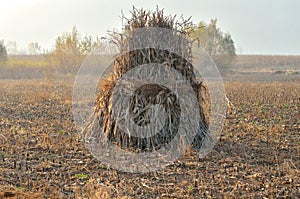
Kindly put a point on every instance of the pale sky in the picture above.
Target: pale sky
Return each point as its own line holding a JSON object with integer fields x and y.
{"x": 257, "y": 26}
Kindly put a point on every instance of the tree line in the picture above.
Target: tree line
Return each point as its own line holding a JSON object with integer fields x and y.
{"x": 70, "y": 48}
{"x": 218, "y": 45}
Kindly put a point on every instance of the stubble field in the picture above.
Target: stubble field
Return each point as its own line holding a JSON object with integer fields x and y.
{"x": 257, "y": 155}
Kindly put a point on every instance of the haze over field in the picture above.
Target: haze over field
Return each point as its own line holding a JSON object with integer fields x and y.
{"x": 257, "y": 27}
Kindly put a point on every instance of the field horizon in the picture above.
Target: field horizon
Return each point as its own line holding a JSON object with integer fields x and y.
{"x": 245, "y": 67}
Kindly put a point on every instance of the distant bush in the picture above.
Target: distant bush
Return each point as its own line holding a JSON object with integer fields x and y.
{"x": 70, "y": 50}
{"x": 218, "y": 45}
{"x": 3, "y": 52}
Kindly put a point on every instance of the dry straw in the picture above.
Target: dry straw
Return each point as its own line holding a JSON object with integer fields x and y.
{"x": 150, "y": 94}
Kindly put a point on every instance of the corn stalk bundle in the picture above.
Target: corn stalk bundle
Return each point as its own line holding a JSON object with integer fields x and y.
{"x": 149, "y": 94}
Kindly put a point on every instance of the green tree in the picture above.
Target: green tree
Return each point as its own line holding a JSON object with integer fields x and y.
{"x": 3, "y": 52}
{"x": 218, "y": 45}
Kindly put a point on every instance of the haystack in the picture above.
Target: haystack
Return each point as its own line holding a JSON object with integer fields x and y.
{"x": 149, "y": 94}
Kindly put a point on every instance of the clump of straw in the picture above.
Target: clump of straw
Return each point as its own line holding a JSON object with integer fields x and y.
{"x": 149, "y": 94}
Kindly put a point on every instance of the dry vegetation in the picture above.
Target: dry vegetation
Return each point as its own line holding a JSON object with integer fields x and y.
{"x": 150, "y": 94}
{"x": 257, "y": 155}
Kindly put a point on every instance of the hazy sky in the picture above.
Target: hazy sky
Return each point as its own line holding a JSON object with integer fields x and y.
{"x": 257, "y": 26}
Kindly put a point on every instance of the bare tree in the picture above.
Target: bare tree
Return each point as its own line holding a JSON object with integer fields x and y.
{"x": 34, "y": 48}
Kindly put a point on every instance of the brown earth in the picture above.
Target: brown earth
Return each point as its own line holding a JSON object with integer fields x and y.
{"x": 257, "y": 155}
